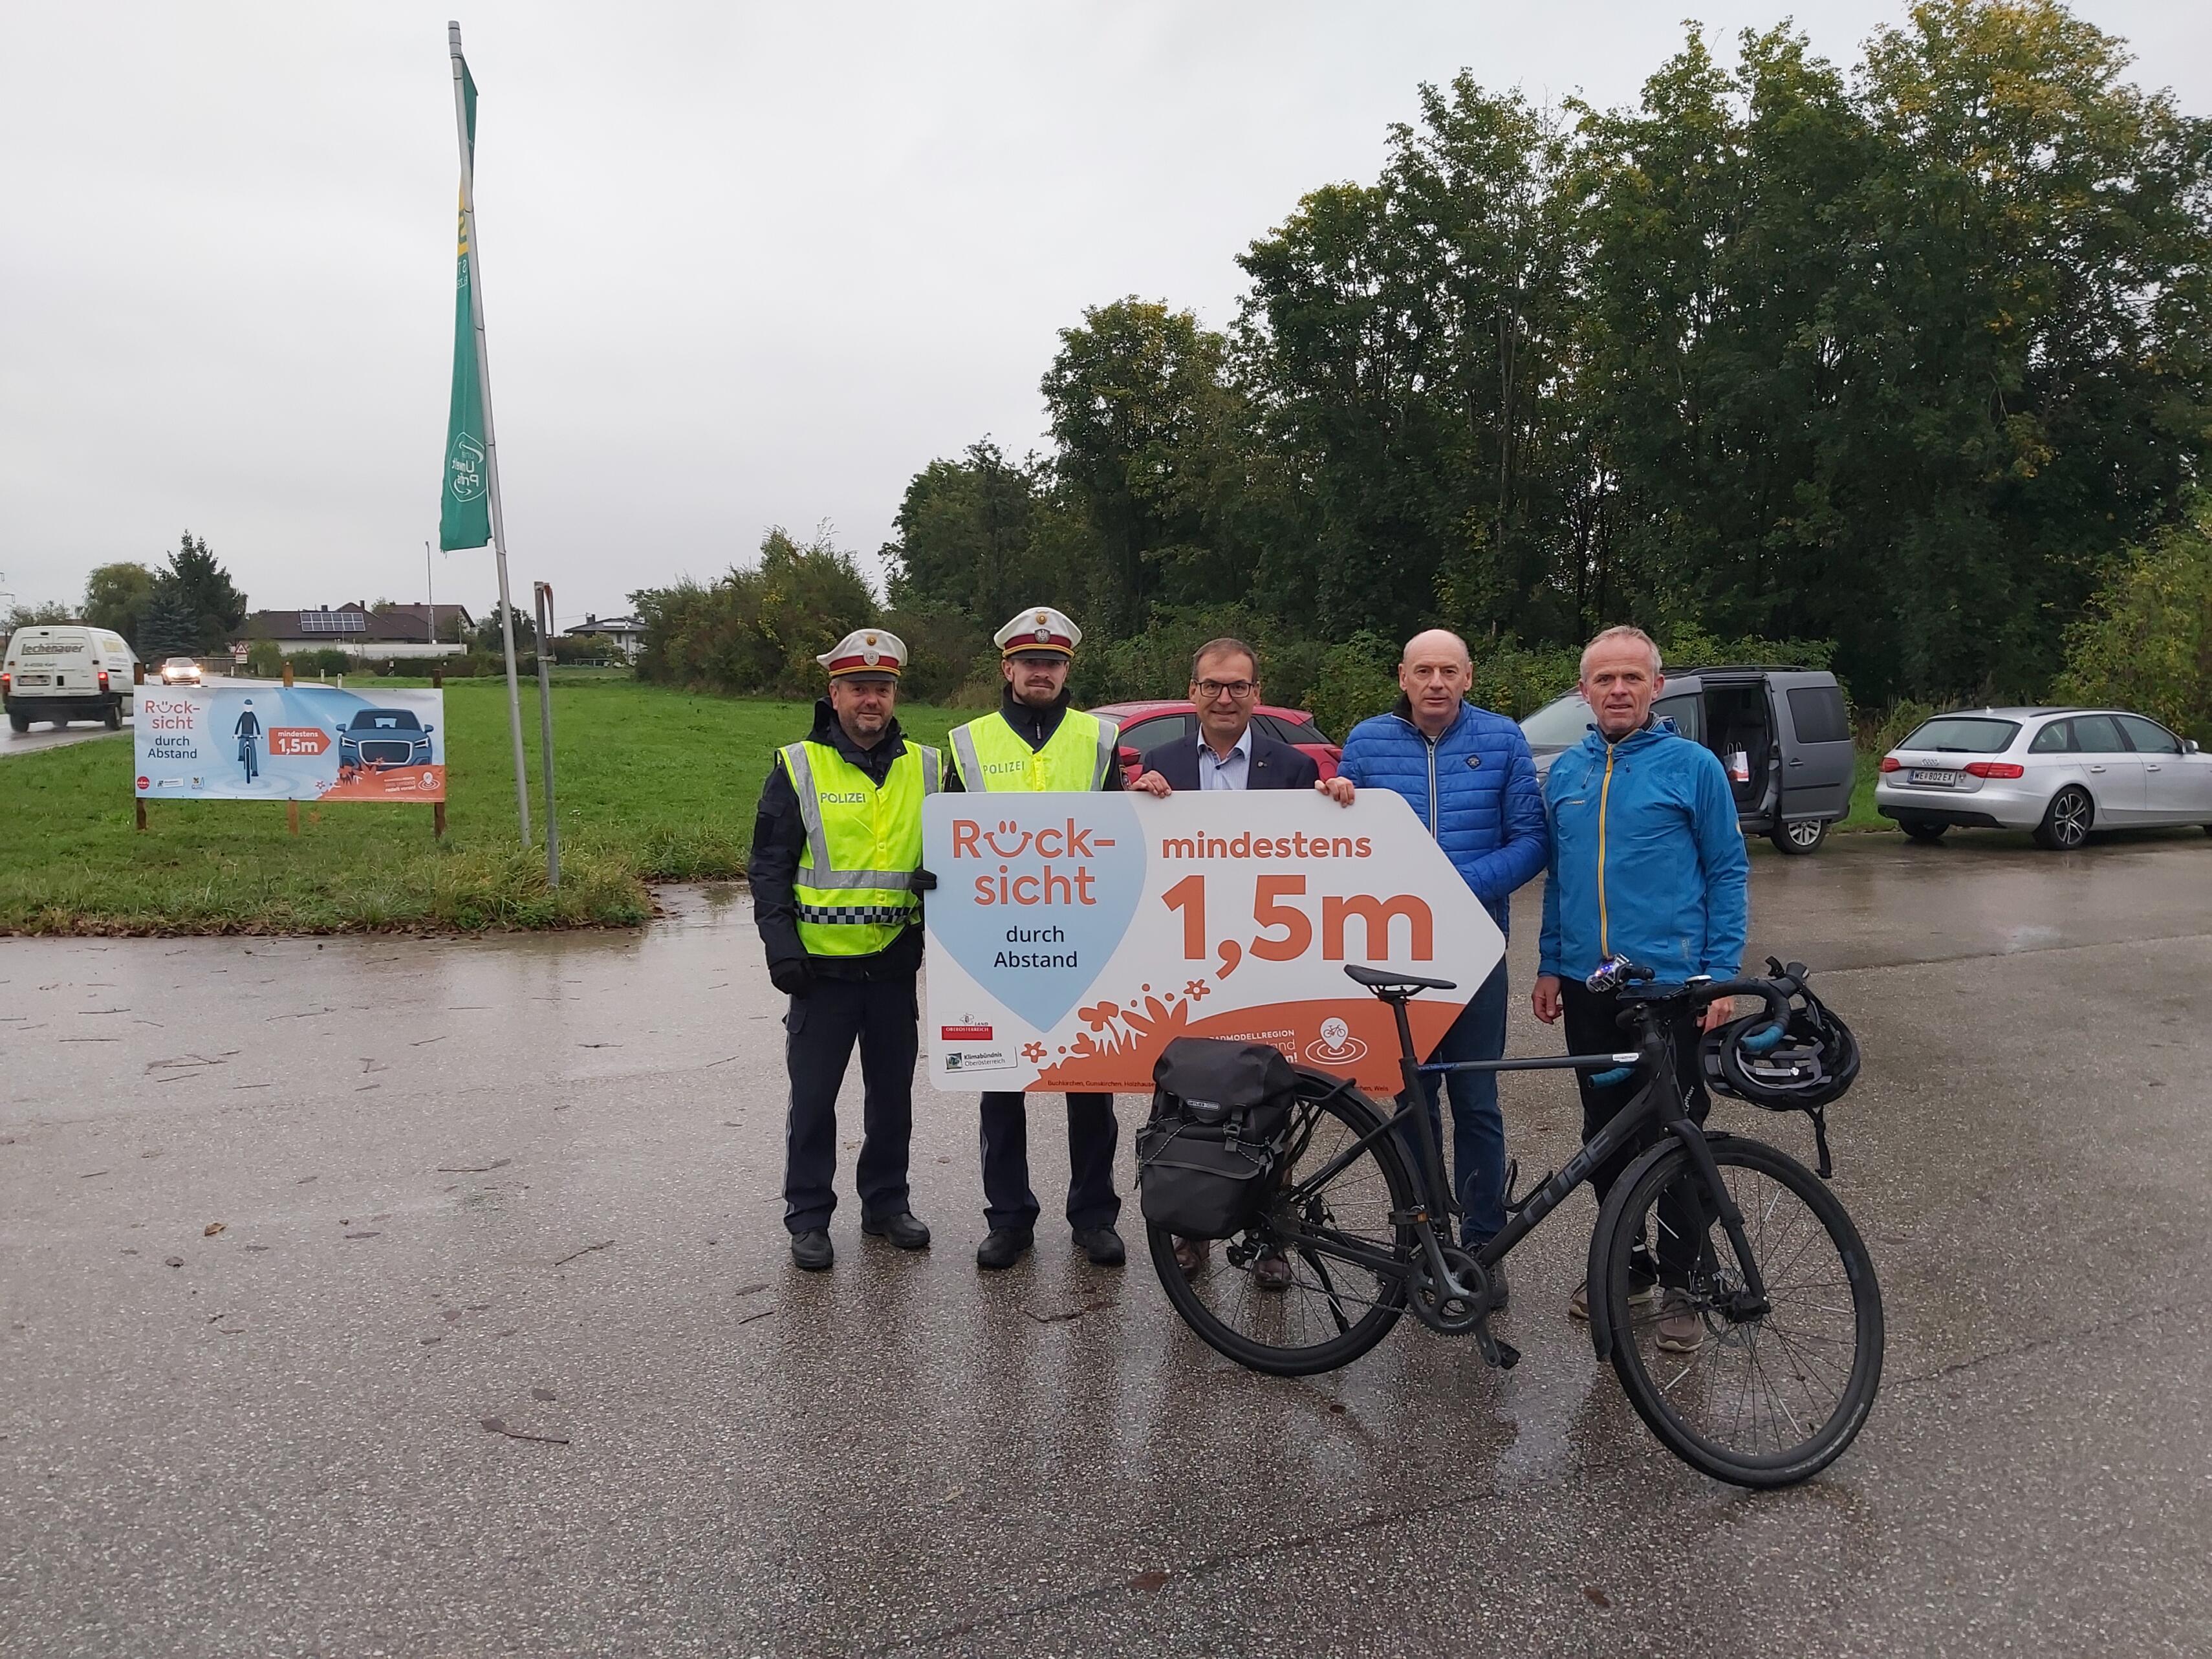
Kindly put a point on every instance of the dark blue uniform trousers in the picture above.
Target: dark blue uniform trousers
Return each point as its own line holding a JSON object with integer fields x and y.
{"x": 1092, "y": 1135}
{"x": 822, "y": 1028}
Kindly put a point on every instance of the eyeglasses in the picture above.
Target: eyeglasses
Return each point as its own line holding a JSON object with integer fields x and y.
{"x": 1240, "y": 689}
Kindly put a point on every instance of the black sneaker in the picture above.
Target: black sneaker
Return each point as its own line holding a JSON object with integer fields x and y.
{"x": 1004, "y": 1247}
{"x": 1103, "y": 1245}
{"x": 811, "y": 1249}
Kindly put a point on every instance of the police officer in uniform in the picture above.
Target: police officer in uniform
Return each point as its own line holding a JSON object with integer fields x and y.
{"x": 836, "y": 847}
{"x": 1036, "y": 742}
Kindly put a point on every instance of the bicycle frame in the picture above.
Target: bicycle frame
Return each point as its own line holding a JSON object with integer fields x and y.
{"x": 1660, "y": 1098}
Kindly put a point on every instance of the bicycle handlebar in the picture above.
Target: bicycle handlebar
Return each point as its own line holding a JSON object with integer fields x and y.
{"x": 1777, "y": 1000}
{"x": 1616, "y": 973}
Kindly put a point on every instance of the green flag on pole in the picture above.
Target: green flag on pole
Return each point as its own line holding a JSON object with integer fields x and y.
{"x": 464, "y": 513}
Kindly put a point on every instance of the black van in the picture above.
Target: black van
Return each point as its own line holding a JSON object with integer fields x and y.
{"x": 1781, "y": 732}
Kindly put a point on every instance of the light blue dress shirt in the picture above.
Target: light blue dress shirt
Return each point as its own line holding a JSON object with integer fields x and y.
{"x": 1216, "y": 773}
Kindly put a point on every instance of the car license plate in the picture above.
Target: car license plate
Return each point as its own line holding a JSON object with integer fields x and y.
{"x": 1937, "y": 776}
{"x": 34, "y": 679}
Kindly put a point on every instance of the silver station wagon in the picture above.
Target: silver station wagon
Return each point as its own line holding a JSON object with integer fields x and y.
{"x": 2059, "y": 772}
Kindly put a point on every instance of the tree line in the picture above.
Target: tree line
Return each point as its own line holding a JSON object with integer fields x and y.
{"x": 1903, "y": 366}
{"x": 189, "y": 606}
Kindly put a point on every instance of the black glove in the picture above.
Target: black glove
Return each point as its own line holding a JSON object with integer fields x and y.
{"x": 791, "y": 977}
{"x": 921, "y": 881}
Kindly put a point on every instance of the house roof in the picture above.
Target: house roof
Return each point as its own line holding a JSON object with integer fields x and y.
{"x": 614, "y": 626}
{"x": 446, "y": 614}
{"x": 353, "y": 623}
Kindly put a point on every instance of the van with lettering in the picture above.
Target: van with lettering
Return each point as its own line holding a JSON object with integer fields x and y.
{"x": 63, "y": 673}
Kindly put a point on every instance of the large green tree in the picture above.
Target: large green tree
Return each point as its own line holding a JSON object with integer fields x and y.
{"x": 196, "y": 586}
{"x": 1720, "y": 334}
{"x": 2036, "y": 292}
{"x": 1148, "y": 431}
{"x": 756, "y": 630}
{"x": 968, "y": 537}
{"x": 32, "y": 615}
{"x": 116, "y": 596}
{"x": 2147, "y": 640}
{"x": 167, "y": 626}
{"x": 1900, "y": 357}
{"x": 1408, "y": 343}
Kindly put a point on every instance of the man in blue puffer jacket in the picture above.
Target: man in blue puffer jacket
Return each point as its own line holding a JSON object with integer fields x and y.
{"x": 1467, "y": 775}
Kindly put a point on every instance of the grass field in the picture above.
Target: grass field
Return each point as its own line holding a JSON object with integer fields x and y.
{"x": 1863, "y": 815}
{"x": 654, "y": 785}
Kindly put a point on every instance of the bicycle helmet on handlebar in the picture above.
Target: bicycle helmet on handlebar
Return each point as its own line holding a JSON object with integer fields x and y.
{"x": 1811, "y": 1060}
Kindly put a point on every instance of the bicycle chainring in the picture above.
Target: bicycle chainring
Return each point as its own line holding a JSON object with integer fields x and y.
{"x": 1446, "y": 1314}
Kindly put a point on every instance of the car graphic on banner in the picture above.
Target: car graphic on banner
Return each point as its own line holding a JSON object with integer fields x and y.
{"x": 269, "y": 742}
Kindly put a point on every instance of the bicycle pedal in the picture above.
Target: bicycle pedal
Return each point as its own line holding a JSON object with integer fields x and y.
{"x": 1496, "y": 1351}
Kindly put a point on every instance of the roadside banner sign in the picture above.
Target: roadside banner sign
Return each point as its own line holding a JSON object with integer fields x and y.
{"x": 270, "y": 742}
{"x": 1072, "y": 936}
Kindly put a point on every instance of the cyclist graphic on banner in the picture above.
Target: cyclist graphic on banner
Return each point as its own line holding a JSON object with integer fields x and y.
{"x": 248, "y": 732}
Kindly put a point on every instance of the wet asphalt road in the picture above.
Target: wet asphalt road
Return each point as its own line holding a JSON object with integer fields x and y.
{"x": 44, "y": 736}
{"x": 499, "y": 1351}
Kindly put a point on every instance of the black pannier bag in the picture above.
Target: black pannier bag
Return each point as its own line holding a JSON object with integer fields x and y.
{"x": 1221, "y": 1112}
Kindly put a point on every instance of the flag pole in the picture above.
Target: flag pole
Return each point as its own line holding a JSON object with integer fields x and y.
{"x": 491, "y": 447}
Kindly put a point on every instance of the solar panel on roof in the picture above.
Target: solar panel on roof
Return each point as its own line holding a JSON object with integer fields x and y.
{"x": 333, "y": 621}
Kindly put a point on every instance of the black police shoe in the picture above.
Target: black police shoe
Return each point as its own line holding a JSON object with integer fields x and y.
{"x": 1103, "y": 1246}
{"x": 1004, "y": 1247}
{"x": 811, "y": 1249}
{"x": 901, "y": 1231}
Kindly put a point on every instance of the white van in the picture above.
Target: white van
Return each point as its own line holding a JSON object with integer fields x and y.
{"x": 63, "y": 674}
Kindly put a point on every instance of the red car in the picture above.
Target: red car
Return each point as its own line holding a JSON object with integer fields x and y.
{"x": 1148, "y": 724}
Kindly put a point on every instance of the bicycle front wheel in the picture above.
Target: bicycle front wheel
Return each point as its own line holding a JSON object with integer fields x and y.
{"x": 1764, "y": 1401}
{"x": 1282, "y": 1297}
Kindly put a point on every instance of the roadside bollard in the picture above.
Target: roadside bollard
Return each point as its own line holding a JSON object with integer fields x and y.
{"x": 543, "y": 592}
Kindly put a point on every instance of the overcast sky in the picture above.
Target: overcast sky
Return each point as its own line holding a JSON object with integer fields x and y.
{"x": 743, "y": 264}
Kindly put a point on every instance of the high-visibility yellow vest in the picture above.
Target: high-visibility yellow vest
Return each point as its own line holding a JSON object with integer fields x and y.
{"x": 855, "y": 886}
{"x": 993, "y": 755}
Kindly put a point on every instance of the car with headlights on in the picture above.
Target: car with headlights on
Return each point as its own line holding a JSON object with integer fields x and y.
{"x": 2057, "y": 772}
{"x": 180, "y": 671}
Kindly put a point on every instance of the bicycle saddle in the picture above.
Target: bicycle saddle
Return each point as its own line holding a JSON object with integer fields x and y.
{"x": 1383, "y": 981}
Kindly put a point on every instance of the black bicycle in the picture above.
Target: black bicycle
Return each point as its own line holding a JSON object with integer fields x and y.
{"x": 1726, "y": 1284}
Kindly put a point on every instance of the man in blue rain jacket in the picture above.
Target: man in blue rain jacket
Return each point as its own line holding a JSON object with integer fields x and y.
{"x": 1468, "y": 776}
{"x": 1646, "y": 863}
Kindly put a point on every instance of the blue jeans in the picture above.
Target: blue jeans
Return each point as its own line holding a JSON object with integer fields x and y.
{"x": 1478, "y": 1126}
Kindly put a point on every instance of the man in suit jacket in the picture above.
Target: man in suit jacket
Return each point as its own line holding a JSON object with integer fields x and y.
{"x": 1228, "y": 753}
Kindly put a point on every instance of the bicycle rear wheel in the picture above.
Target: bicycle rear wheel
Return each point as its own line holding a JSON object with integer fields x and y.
{"x": 1763, "y": 1402}
{"x": 1333, "y": 1310}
